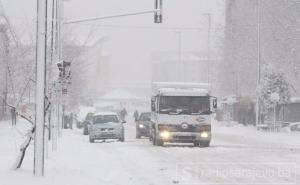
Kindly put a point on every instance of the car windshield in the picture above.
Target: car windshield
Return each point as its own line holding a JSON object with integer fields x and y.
{"x": 145, "y": 116}
{"x": 184, "y": 105}
{"x": 100, "y": 119}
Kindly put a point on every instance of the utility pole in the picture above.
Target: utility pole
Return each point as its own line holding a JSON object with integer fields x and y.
{"x": 60, "y": 58}
{"x": 258, "y": 64}
{"x": 53, "y": 124}
{"x": 40, "y": 88}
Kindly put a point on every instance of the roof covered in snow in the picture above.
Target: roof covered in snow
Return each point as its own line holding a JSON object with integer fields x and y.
{"x": 181, "y": 89}
{"x": 183, "y": 92}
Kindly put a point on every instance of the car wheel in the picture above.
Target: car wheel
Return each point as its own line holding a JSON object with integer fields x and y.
{"x": 196, "y": 144}
{"x": 150, "y": 138}
{"x": 85, "y": 131}
{"x": 92, "y": 140}
{"x": 204, "y": 143}
{"x": 122, "y": 139}
{"x": 153, "y": 138}
{"x": 138, "y": 136}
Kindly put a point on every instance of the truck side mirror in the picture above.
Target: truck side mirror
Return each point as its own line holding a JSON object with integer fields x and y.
{"x": 153, "y": 104}
{"x": 215, "y": 103}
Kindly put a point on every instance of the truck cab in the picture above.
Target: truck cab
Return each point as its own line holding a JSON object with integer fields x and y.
{"x": 181, "y": 113}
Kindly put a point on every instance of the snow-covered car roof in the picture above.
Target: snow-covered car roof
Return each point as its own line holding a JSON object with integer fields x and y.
{"x": 294, "y": 123}
{"x": 105, "y": 113}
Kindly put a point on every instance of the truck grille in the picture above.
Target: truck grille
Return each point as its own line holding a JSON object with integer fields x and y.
{"x": 179, "y": 128}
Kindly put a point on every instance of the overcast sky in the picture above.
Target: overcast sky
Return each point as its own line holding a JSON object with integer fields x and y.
{"x": 131, "y": 39}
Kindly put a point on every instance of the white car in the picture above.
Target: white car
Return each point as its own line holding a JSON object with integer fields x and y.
{"x": 106, "y": 125}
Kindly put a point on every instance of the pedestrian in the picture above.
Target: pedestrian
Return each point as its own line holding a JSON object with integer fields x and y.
{"x": 136, "y": 115}
{"x": 123, "y": 114}
{"x": 13, "y": 116}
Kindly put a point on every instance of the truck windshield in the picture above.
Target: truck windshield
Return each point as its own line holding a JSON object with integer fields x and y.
{"x": 184, "y": 105}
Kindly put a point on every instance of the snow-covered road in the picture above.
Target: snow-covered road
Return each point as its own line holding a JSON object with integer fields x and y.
{"x": 236, "y": 156}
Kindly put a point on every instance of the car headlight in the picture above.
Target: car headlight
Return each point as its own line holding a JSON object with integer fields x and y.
{"x": 141, "y": 126}
{"x": 165, "y": 134}
{"x": 204, "y": 134}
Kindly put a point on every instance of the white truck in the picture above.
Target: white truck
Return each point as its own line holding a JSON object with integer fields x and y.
{"x": 181, "y": 113}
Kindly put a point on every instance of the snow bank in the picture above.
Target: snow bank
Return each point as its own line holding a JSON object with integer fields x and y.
{"x": 250, "y": 135}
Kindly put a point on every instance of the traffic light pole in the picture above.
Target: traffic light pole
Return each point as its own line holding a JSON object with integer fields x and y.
{"x": 60, "y": 58}
{"x": 157, "y": 19}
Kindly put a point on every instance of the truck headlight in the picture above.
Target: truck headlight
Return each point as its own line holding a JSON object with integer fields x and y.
{"x": 204, "y": 134}
{"x": 141, "y": 126}
{"x": 164, "y": 134}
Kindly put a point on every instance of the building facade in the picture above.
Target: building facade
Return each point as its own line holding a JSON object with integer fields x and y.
{"x": 265, "y": 29}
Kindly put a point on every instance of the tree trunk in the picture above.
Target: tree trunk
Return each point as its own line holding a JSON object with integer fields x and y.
{"x": 23, "y": 148}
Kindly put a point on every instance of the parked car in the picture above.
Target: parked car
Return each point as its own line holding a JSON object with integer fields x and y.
{"x": 143, "y": 125}
{"x": 68, "y": 121}
{"x": 295, "y": 127}
{"x": 291, "y": 127}
{"x": 106, "y": 125}
{"x": 87, "y": 122}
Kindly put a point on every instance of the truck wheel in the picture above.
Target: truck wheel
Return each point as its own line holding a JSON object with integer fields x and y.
{"x": 196, "y": 144}
{"x": 85, "y": 131}
{"x": 204, "y": 143}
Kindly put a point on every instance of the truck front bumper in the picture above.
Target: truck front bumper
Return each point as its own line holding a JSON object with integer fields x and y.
{"x": 184, "y": 137}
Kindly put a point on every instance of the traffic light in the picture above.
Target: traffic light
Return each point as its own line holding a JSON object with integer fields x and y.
{"x": 158, "y": 14}
{"x": 64, "y": 69}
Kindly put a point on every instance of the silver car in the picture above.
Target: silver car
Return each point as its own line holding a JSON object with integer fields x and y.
{"x": 106, "y": 125}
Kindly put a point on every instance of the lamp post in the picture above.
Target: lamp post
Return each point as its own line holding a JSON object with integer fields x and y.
{"x": 258, "y": 64}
